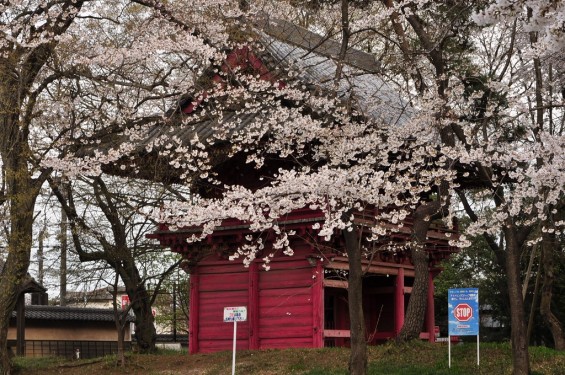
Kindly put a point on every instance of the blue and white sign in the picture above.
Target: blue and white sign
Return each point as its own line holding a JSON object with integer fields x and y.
{"x": 463, "y": 311}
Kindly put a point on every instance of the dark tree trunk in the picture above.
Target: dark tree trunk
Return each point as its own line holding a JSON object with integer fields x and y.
{"x": 21, "y": 192}
{"x": 9, "y": 286}
{"x": 19, "y": 249}
{"x": 520, "y": 354}
{"x": 8, "y": 298}
{"x": 145, "y": 333}
{"x": 418, "y": 302}
{"x": 548, "y": 267}
{"x": 358, "y": 354}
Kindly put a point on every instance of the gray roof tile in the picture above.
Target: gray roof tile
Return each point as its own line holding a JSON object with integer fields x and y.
{"x": 35, "y": 312}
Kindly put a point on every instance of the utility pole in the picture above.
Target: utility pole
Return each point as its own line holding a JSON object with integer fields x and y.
{"x": 63, "y": 242}
{"x": 41, "y": 256}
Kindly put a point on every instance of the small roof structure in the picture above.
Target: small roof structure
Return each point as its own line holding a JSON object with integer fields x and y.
{"x": 29, "y": 285}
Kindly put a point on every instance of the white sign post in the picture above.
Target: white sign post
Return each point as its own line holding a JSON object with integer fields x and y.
{"x": 235, "y": 314}
{"x": 463, "y": 311}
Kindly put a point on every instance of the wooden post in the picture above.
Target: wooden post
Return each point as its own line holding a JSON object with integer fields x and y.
{"x": 253, "y": 308}
{"x": 399, "y": 301}
{"x": 20, "y": 329}
{"x": 318, "y": 305}
{"x": 193, "y": 312}
{"x": 430, "y": 311}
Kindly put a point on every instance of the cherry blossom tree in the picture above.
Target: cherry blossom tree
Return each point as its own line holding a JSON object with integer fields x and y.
{"x": 29, "y": 36}
{"x": 480, "y": 126}
{"x": 465, "y": 109}
{"x": 504, "y": 119}
{"x": 72, "y": 68}
{"x": 528, "y": 191}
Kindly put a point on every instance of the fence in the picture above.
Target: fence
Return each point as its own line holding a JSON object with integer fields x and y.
{"x": 68, "y": 349}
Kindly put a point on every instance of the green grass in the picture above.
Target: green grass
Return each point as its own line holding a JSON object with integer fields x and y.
{"x": 416, "y": 358}
{"x": 36, "y": 363}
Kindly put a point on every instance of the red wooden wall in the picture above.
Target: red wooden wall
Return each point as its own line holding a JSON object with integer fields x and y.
{"x": 284, "y": 304}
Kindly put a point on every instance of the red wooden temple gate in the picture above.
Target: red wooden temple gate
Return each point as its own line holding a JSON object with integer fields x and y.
{"x": 302, "y": 300}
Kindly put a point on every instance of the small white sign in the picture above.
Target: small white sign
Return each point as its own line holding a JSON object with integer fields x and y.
{"x": 235, "y": 314}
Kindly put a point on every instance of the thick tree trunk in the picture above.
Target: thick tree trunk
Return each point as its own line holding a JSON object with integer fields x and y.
{"x": 8, "y": 298}
{"x": 21, "y": 193}
{"x": 520, "y": 354}
{"x": 548, "y": 266}
{"x": 418, "y": 302}
{"x": 19, "y": 247}
{"x": 358, "y": 354}
{"x": 140, "y": 300}
{"x": 145, "y": 333}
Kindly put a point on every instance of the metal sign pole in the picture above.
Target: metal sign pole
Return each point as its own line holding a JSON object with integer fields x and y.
{"x": 449, "y": 350}
{"x": 478, "y": 356}
{"x": 234, "y": 345}
{"x": 235, "y": 314}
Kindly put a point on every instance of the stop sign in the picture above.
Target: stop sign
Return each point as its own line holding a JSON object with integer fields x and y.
{"x": 463, "y": 312}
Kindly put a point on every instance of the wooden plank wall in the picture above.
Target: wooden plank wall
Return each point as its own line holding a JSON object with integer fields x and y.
{"x": 220, "y": 286}
{"x": 281, "y": 304}
{"x": 286, "y": 303}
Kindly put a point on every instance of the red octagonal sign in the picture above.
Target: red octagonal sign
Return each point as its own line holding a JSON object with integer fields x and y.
{"x": 463, "y": 312}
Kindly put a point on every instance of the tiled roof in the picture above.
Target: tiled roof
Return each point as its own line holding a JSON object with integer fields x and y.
{"x": 375, "y": 98}
{"x": 290, "y": 47}
{"x": 36, "y": 312}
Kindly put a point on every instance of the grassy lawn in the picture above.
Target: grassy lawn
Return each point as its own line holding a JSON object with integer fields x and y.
{"x": 417, "y": 358}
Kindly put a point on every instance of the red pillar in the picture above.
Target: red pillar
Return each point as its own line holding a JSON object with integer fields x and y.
{"x": 253, "y": 308}
{"x": 430, "y": 312}
{"x": 193, "y": 312}
{"x": 318, "y": 305}
{"x": 399, "y": 301}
